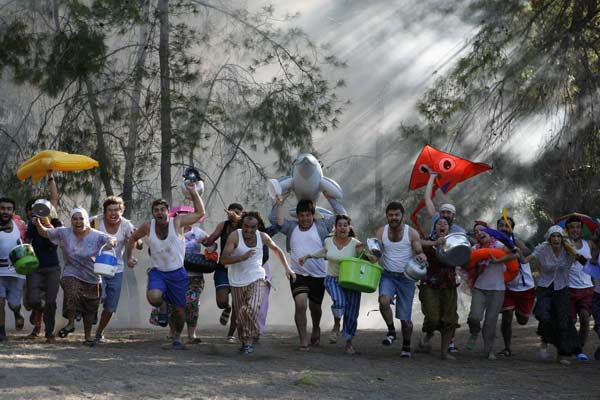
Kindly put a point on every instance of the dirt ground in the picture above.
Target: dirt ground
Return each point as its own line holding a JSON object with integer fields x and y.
{"x": 136, "y": 364}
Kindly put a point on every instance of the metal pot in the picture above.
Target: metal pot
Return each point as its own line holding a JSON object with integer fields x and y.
{"x": 191, "y": 174}
{"x": 456, "y": 251}
{"x": 415, "y": 269}
{"x": 374, "y": 247}
{"x": 41, "y": 208}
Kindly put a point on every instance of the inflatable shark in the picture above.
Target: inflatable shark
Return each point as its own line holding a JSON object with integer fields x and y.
{"x": 307, "y": 182}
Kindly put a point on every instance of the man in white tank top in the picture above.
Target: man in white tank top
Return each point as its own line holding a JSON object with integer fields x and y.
{"x": 11, "y": 283}
{"x": 242, "y": 256}
{"x": 167, "y": 279}
{"x": 581, "y": 287}
{"x": 400, "y": 243}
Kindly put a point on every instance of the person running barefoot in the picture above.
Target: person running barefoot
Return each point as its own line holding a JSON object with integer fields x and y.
{"x": 243, "y": 256}
{"x": 400, "y": 243}
{"x": 167, "y": 279}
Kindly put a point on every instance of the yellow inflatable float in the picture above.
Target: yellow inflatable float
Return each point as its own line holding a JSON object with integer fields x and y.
{"x": 51, "y": 160}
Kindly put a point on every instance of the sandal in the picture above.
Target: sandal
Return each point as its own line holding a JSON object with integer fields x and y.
{"x": 333, "y": 337}
{"x": 505, "y": 353}
{"x": 389, "y": 339}
{"x": 64, "y": 332}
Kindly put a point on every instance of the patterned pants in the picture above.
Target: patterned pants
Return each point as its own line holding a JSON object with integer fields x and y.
{"x": 247, "y": 301}
{"x": 346, "y": 304}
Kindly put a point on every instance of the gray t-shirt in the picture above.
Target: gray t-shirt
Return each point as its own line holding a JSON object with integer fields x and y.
{"x": 79, "y": 253}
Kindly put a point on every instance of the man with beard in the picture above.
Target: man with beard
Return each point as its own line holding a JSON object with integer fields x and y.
{"x": 167, "y": 279}
{"x": 112, "y": 222}
{"x": 11, "y": 283}
{"x": 581, "y": 288}
{"x": 43, "y": 283}
{"x": 519, "y": 296}
{"x": 303, "y": 238}
{"x": 243, "y": 256}
{"x": 400, "y": 243}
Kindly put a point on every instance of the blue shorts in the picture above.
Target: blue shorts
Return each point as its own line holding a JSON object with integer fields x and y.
{"x": 221, "y": 278}
{"x": 398, "y": 285}
{"x": 111, "y": 292}
{"x": 172, "y": 284}
{"x": 11, "y": 289}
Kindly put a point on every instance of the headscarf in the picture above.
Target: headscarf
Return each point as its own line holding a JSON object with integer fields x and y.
{"x": 552, "y": 230}
{"x": 84, "y": 214}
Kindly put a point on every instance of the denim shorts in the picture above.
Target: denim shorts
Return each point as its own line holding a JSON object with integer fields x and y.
{"x": 111, "y": 292}
{"x": 396, "y": 284}
{"x": 11, "y": 289}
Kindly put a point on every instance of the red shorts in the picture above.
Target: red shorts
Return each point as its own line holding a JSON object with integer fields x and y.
{"x": 521, "y": 302}
{"x": 580, "y": 299}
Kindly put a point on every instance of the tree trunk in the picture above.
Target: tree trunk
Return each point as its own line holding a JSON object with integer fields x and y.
{"x": 165, "y": 101}
{"x": 135, "y": 112}
{"x": 101, "y": 151}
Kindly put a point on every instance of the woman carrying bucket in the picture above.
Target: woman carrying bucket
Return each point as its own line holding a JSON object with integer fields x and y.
{"x": 80, "y": 244}
{"x": 346, "y": 302}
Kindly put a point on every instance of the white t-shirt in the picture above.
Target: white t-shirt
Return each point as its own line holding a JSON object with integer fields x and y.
{"x": 166, "y": 255}
{"x": 123, "y": 234}
{"x": 334, "y": 255}
{"x": 303, "y": 243}
{"x": 577, "y": 278}
{"x": 248, "y": 271}
{"x": 492, "y": 277}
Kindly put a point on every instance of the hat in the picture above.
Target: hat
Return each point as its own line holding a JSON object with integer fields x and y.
{"x": 552, "y": 230}
{"x": 448, "y": 207}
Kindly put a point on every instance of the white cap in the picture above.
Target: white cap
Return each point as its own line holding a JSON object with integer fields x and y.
{"x": 448, "y": 207}
{"x": 552, "y": 230}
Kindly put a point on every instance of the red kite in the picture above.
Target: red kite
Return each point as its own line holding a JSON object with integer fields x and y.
{"x": 451, "y": 171}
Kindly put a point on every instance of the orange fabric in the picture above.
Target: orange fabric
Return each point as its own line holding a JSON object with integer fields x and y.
{"x": 512, "y": 266}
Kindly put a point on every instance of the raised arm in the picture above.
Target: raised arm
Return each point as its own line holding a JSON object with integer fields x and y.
{"x": 279, "y": 253}
{"x": 138, "y": 234}
{"x": 53, "y": 190}
{"x": 429, "y": 192}
{"x": 189, "y": 219}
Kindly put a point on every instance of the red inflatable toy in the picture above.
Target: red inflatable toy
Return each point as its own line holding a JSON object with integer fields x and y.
{"x": 512, "y": 266}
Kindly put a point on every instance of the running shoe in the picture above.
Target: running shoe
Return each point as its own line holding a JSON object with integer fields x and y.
{"x": 405, "y": 353}
{"x": 452, "y": 347}
{"x": 231, "y": 339}
{"x": 582, "y": 357}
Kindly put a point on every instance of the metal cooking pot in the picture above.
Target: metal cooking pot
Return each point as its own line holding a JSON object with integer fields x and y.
{"x": 374, "y": 247}
{"x": 415, "y": 269}
{"x": 456, "y": 251}
{"x": 41, "y": 208}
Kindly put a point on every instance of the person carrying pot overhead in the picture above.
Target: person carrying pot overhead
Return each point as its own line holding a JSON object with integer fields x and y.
{"x": 43, "y": 283}
{"x": 167, "y": 279}
{"x": 81, "y": 286}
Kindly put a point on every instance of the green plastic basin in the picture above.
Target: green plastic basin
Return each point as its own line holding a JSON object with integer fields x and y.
{"x": 361, "y": 275}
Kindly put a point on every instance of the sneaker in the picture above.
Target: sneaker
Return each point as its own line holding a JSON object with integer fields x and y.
{"x": 231, "y": 339}
{"x": 389, "y": 339}
{"x": 471, "y": 342}
{"x": 100, "y": 338}
{"x": 405, "y": 353}
{"x": 225, "y": 316}
{"x": 248, "y": 349}
{"x": 563, "y": 361}
{"x": 452, "y": 348}
{"x": 582, "y": 357}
